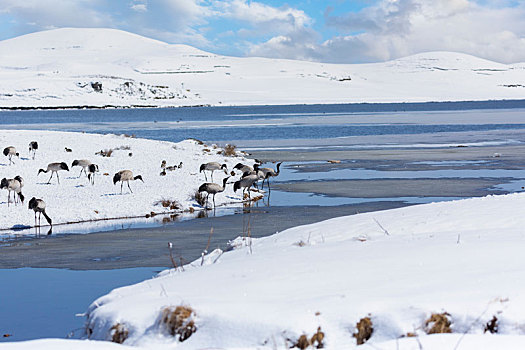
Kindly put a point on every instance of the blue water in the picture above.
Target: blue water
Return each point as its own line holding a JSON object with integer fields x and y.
{"x": 263, "y": 122}
{"x": 44, "y": 303}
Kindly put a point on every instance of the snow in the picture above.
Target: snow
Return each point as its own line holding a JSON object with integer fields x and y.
{"x": 55, "y": 68}
{"x": 396, "y": 266}
{"x": 75, "y": 199}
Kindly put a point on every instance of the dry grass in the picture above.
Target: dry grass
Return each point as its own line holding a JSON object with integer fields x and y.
{"x": 199, "y": 142}
{"x": 316, "y": 341}
{"x": 179, "y": 321}
{"x": 169, "y": 203}
{"x": 119, "y": 333}
{"x": 199, "y": 198}
{"x": 230, "y": 150}
{"x": 438, "y": 323}
{"x": 364, "y": 330}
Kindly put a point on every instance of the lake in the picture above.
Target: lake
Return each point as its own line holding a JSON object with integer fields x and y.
{"x": 385, "y": 156}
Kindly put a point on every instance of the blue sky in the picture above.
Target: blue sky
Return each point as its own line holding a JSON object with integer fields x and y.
{"x": 338, "y": 31}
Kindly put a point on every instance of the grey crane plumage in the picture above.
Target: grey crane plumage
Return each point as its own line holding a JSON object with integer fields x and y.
{"x": 54, "y": 168}
{"x": 212, "y": 166}
{"x": 269, "y": 172}
{"x": 13, "y": 185}
{"x": 10, "y": 152}
{"x": 83, "y": 163}
{"x": 243, "y": 168}
{"x": 245, "y": 183}
{"x": 213, "y": 188}
{"x": 39, "y": 206}
{"x": 125, "y": 175}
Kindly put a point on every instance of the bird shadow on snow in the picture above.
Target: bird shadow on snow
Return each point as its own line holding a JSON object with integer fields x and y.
{"x": 19, "y": 227}
{"x": 113, "y": 194}
{"x": 44, "y": 183}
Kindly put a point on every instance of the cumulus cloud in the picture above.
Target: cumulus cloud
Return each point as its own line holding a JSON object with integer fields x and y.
{"x": 261, "y": 15}
{"x": 386, "y": 29}
{"x": 395, "y": 28}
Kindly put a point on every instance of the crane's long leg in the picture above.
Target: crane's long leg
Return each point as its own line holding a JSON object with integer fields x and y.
{"x": 57, "y": 177}
{"x": 121, "y": 183}
{"x": 129, "y": 187}
{"x": 49, "y": 181}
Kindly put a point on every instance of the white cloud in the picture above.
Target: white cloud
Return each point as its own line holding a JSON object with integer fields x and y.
{"x": 262, "y": 17}
{"x": 396, "y": 28}
{"x": 139, "y": 7}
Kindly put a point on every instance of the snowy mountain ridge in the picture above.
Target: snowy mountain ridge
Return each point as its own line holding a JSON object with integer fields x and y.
{"x": 98, "y": 67}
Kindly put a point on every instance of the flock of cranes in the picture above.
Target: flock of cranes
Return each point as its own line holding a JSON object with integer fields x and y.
{"x": 38, "y": 205}
{"x": 250, "y": 177}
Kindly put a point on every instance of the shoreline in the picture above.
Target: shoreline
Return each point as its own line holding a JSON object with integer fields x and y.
{"x": 412, "y": 106}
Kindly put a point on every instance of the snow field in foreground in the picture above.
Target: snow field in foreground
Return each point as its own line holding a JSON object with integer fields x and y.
{"x": 398, "y": 267}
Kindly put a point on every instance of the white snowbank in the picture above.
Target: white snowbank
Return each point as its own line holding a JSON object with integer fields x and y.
{"x": 397, "y": 267}
{"x": 75, "y": 199}
{"x": 56, "y": 68}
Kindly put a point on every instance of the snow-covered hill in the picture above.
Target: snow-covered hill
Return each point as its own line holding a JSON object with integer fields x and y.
{"x": 101, "y": 67}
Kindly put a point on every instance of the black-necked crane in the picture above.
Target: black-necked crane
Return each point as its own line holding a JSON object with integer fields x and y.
{"x": 256, "y": 171}
{"x": 13, "y": 185}
{"x": 243, "y": 168}
{"x": 269, "y": 172}
{"x": 39, "y": 206}
{"x": 213, "y": 188}
{"x": 125, "y": 175}
{"x": 212, "y": 166}
{"x": 245, "y": 183}
{"x": 54, "y": 168}
{"x": 10, "y": 152}
{"x": 92, "y": 169}
{"x": 33, "y": 146}
{"x": 83, "y": 163}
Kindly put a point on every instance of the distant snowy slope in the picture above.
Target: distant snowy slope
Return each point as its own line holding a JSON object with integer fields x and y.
{"x": 57, "y": 68}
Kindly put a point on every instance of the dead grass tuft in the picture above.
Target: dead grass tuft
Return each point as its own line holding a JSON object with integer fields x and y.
{"x": 230, "y": 150}
{"x": 492, "y": 326}
{"x": 364, "y": 330}
{"x": 198, "y": 142}
{"x": 302, "y": 342}
{"x": 199, "y": 198}
{"x": 169, "y": 203}
{"x": 438, "y": 323}
{"x": 119, "y": 333}
{"x": 316, "y": 341}
{"x": 179, "y": 321}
